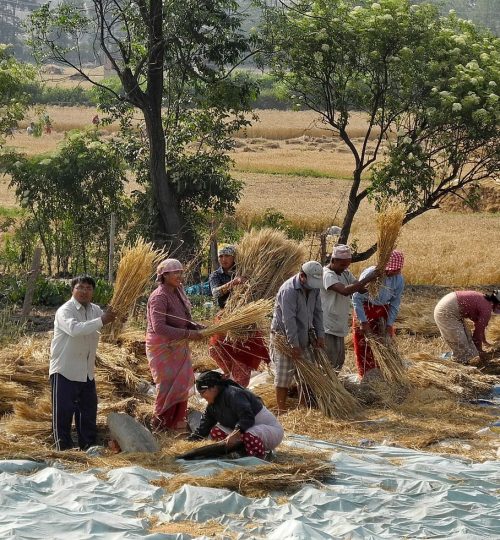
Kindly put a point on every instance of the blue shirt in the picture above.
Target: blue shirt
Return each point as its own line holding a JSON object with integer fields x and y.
{"x": 295, "y": 313}
{"x": 389, "y": 294}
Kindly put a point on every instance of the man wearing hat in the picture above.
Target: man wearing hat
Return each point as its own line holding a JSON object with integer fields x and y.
{"x": 222, "y": 280}
{"x": 299, "y": 318}
{"x": 377, "y": 315}
{"x": 338, "y": 286}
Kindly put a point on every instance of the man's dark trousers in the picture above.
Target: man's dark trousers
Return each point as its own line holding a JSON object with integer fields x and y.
{"x": 78, "y": 399}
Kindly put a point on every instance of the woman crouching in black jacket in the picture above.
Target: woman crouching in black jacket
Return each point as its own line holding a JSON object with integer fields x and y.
{"x": 236, "y": 415}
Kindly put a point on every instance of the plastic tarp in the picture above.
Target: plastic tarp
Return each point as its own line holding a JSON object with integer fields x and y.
{"x": 376, "y": 492}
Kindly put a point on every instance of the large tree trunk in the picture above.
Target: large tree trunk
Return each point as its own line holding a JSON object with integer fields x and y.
{"x": 169, "y": 223}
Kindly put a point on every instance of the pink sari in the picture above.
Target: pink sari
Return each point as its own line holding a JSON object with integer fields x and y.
{"x": 169, "y": 356}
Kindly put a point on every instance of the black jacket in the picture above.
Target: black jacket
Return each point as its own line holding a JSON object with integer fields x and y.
{"x": 234, "y": 407}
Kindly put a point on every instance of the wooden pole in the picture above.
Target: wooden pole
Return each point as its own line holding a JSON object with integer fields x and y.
{"x": 322, "y": 239}
{"x": 214, "y": 259}
{"x": 112, "y": 230}
{"x": 31, "y": 283}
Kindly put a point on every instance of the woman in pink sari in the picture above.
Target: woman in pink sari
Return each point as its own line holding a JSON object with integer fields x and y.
{"x": 169, "y": 329}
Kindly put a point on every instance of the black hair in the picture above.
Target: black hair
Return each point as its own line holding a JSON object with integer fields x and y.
{"x": 82, "y": 279}
{"x": 208, "y": 379}
{"x": 492, "y": 297}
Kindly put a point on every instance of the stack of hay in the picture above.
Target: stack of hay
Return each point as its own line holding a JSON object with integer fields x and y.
{"x": 135, "y": 270}
{"x": 267, "y": 258}
{"x": 463, "y": 381}
{"x": 319, "y": 381}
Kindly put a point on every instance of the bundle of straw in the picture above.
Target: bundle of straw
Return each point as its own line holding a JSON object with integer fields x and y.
{"x": 258, "y": 481}
{"x": 389, "y": 222}
{"x": 386, "y": 354}
{"x": 11, "y": 392}
{"x": 318, "y": 378}
{"x": 241, "y": 322}
{"x": 135, "y": 270}
{"x": 464, "y": 381}
{"x": 267, "y": 258}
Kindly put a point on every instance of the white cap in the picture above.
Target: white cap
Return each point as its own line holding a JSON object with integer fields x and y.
{"x": 314, "y": 272}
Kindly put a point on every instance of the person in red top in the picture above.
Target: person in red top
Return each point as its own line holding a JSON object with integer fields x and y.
{"x": 450, "y": 314}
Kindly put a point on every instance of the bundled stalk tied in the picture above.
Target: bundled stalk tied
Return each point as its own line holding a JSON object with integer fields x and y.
{"x": 135, "y": 271}
{"x": 389, "y": 223}
{"x": 266, "y": 258}
{"x": 318, "y": 378}
{"x": 386, "y": 354}
{"x": 242, "y": 322}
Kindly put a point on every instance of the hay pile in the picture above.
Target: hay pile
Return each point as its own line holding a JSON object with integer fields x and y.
{"x": 267, "y": 258}
{"x": 25, "y": 403}
{"x": 386, "y": 354}
{"x": 417, "y": 318}
{"x": 319, "y": 381}
{"x": 466, "y": 382}
{"x": 289, "y": 475}
{"x": 135, "y": 271}
{"x": 389, "y": 222}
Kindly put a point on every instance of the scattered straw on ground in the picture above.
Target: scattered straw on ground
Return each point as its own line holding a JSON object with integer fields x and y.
{"x": 210, "y": 528}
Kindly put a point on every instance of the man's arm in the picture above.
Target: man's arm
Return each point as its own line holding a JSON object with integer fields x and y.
{"x": 347, "y": 290}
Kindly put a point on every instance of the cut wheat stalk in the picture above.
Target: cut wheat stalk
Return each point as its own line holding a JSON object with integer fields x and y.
{"x": 389, "y": 223}
{"x": 386, "y": 354}
{"x": 267, "y": 258}
{"x": 242, "y": 322}
{"x": 135, "y": 271}
{"x": 261, "y": 480}
{"x": 464, "y": 381}
{"x": 318, "y": 378}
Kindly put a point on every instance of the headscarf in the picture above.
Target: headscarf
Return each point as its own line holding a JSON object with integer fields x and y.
{"x": 396, "y": 261}
{"x": 173, "y": 265}
{"x": 168, "y": 265}
{"x": 227, "y": 250}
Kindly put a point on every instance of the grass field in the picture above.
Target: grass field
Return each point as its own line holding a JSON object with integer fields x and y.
{"x": 288, "y": 163}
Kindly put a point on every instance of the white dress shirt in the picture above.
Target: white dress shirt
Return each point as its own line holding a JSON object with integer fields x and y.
{"x": 74, "y": 345}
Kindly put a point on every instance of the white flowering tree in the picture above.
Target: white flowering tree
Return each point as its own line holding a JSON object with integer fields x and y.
{"x": 427, "y": 84}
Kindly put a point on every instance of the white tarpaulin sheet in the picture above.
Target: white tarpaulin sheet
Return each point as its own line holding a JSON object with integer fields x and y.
{"x": 377, "y": 492}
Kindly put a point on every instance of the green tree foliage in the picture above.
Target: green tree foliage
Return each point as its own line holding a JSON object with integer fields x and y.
{"x": 70, "y": 196}
{"x": 176, "y": 57}
{"x": 427, "y": 84}
{"x": 14, "y": 76}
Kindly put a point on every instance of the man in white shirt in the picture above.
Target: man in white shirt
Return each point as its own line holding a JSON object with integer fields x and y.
{"x": 72, "y": 365}
{"x": 338, "y": 285}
